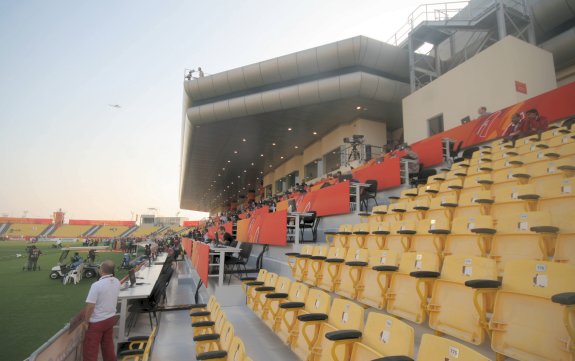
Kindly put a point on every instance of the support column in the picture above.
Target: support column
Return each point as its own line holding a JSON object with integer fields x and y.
{"x": 501, "y": 28}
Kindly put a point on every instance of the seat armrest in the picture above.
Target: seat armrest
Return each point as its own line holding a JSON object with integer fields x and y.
{"x": 247, "y": 279}
{"x": 566, "y": 167}
{"x": 483, "y": 230}
{"x": 565, "y": 298}
{"x": 394, "y": 358}
{"x": 334, "y": 260}
{"x": 485, "y": 181}
{"x": 136, "y": 352}
{"x": 203, "y": 324}
{"x": 277, "y": 295}
{"x": 265, "y": 289}
{"x": 287, "y": 305}
{"x": 292, "y": 254}
{"x": 356, "y": 264}
{"x": 318, "y": 258}
{"x": 364, "y": 214}
{"x": 484, "y": 201}
{"x": 483, "y": 284}
{"x": 343, "y": 335}
{"x": 210, "y": 355}
{"x": 138, "y": 338}
{"x": 439, "y": 231}
{"x": 361, "y": 233}
{"x": 424, "y": 274}
{"x": 344, "y": 233}
{"x": 528, "y": 197}
{"x": 544, "y": 229}
{"x": 255, "y": 283}
{"x": 207, "y": 337}
{"x": 303, "y": 256}
{"x": 198, "y": 305}
{"x": 385, "y": 268}
{"x": 407, "y": 231}
{"x": 312, "y": 317}
{"x": 200, "y": 314}
{"x": 379, "y": 212}
{"x": 421, "y": 208}
{"x": 380, "y": 232}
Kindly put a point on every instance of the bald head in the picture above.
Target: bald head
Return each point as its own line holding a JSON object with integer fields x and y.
{"x": 107, "y": 267}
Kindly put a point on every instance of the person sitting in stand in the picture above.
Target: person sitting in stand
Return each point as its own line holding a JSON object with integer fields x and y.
{"x": 515, "y": 129}
{"x": 535, "y": 124}
{"x": 223, "y": 237}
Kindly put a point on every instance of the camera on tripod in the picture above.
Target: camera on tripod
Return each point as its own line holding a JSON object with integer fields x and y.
{"x": 355, "y": 140}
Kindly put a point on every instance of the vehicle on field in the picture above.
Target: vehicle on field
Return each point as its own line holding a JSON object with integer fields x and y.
{"x": 65, "y": 265}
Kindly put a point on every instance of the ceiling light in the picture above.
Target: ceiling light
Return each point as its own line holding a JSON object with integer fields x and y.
{"x": 244, "y": 139}
{"x": 252, "y": 163}
{"x": 295, "y": 146}
{"x": 261, "y": 155}
{"x": 358, "y": 107}
{"x": 219, "y": 175}
{"x": 245, "y": 171}
{"x": 314, "y": 133}
{"x": 282, "y": 157}
{"x": 235, "y": 152}
{"x": 289, "y": 129}
{"x": 274, "y": 144}
{"x": 270, "y": 165}
{"x": 229, "y": 161}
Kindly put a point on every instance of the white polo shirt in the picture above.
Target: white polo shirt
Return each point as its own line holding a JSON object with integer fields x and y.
{"x": 104, "y": 294}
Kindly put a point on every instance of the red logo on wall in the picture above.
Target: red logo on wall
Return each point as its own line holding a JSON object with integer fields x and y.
{"x": 520, "y": 87}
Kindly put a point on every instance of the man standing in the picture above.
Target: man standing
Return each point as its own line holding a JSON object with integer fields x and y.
{"x": 100, "y": 315}
{"x": 33, "y": 256}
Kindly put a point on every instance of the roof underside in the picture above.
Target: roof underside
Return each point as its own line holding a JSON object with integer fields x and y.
{"x": 311, "y": 91}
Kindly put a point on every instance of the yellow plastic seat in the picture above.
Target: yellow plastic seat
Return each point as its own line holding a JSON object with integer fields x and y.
{"x": 435, "y": 348}
{"x": 476, "y": 203}
{"x": 297, "y": 293}
{"x": 261, "y": 308}
{"x": 470, "y": 236}
{"x": 382, "y": 263}
{"x": 527, "y": 324}
{"x": 359, "y": 233}
{"x": 218, "y": 340}
{"x": 302, "y": 335}
{"x": 376, "y": 238}
{"x": 346, "y": 284}
{"x": 416, "y": 208}
{"x": 383, "y": 336}
{"x": 507, "y": 200}
{"x": 144, "y": 348}
{"x": 507, "y": 175}
{"x": 560, "y": 151}
{"x": 560, "y": 168}
{"x": 255, "y": 298}
{"x": 411, "y": 285}
{"x": 528, "y": 235}
{"x": 451, "y": 186}
{"x": 399, "y": 237}
{"x": 343, "y": 315}
{"x": 560, "y": 140}
{"x": 339, "y": 238}
{"x": 430, "y": 236}
{"x": 329, "y": 270}
{"x": 442, "y": 207}
{"x": 237, "y": 351}
{"x": 247, "y": 282}
{"x": 298, "y": 261}
{"x": 557, "y": 197}
{"x": 459, "y": 310}
{"x": 314, "y": 265}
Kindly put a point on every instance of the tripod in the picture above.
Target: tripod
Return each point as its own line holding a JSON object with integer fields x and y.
{"x": 354, "y": 154}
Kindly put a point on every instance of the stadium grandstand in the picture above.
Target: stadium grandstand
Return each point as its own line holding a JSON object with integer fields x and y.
{"x": 381, "y": 200}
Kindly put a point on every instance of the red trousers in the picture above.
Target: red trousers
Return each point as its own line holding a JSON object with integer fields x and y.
{"x": 100, "y": 334}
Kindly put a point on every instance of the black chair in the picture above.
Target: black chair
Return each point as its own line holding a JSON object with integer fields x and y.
{"x": 369, "y": 193}
{"x": 423, "y": 175}
{"x": 309, "y": 222}
{"x": 232, "y": 264}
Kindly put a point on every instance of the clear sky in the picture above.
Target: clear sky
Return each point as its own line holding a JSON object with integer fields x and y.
{"x": 63, "y": 62}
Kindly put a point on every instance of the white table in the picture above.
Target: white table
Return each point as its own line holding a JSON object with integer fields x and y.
{"x": 221, "y": 251}
{"x": 297, "y": 217}
{"x": 357, "y": 187}
{"x": 148, "y": 276}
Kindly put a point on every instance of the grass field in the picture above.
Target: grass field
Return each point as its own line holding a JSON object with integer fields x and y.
{"x": 34, "y": 307}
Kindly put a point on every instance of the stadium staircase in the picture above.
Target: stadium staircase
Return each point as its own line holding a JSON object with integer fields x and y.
{"x": 127, "y": 233}
{"x": 92, "y": 230}
{"x": 3, "y": 228}
{"x": 159, "y": 231}
{"x": 47, "y": 232}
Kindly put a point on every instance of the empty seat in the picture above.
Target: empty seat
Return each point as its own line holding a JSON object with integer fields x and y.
{"x": 330, "y": 267}
{"x": 474, "y": 203}
{"x": 411, "y": 285}
{"x": 339, "y": 238}
{"x": 470, "y": 236}
{"x": 442, "y": 207}
{"x": 254, "y": 293}
{"x": 350, "y": 272}
{"x": 416, "y": 208}
{"x": 456, "y": 309}
{"x": 507, "y": 200}
{"x": 434, "y": 348}
{"x": 298, "y": 261}
{"x": 430, "y": 236}
{"x": 533, "y": 317}
{"x": 359, "y": 233}
{"x": 560, "y": 168}
{"x": 376, "y": 237}
{"x": 344, "y": 315}
{"x": 382, "y": 263}
{"x": 301, "y": 336}
{"x": 297, "y": 293}
{"x": 314, "y": 265}
{"x": 522, "y": 236}
{"x": 383, "y": 335}
{"x": 261, "y": 306}
{"x": 399, "y": 237}
{"x": 248, "y": 282}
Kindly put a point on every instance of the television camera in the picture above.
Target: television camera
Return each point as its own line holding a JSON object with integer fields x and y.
{"x": 354, "y": 140}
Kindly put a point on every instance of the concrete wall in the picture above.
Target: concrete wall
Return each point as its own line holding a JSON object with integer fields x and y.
{"x": 375, "y": 134}
{"x": 486, "y": 79}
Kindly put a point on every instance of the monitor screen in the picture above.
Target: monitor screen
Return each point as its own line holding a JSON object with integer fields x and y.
{"x": 132, "y": 276}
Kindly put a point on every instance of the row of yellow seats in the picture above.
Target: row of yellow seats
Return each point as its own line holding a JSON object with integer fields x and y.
{"x": 26, "y": 229}
{"x": 459, "y": 298}
{"x": 214, "y": 335}
{"x": 521, "y": 235}
{"x": 319, "y": 328}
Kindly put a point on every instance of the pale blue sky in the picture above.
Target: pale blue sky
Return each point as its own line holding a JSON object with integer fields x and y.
{"x": 63, "y": 61}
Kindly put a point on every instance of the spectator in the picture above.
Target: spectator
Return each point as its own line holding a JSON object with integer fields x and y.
{"x": 100, "y": 315}
{"x": 482, "y": 111}
{"x": 201, "y": 72}
{"x": 535, "y": 124}
{"x": 224, "y": 237}
{"x": 515, "y": 129}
